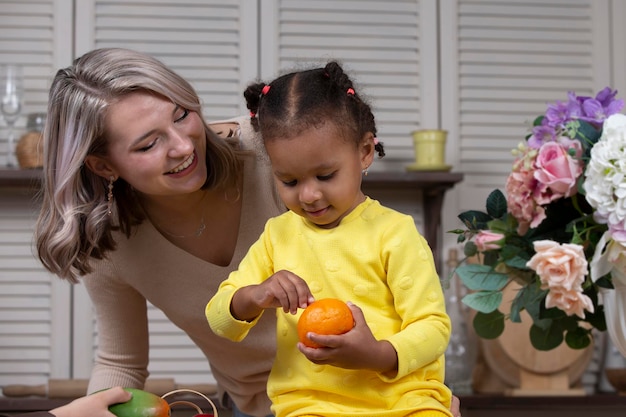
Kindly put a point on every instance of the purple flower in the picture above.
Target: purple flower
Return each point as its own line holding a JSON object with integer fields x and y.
{"x": 541, "y": 134}
{"x": 559, "y": 113}
{"x": 596, "y": 110}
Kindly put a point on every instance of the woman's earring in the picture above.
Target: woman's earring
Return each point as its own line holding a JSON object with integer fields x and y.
{"x": 365, "y": 171}
{"x": 110, "y": 195}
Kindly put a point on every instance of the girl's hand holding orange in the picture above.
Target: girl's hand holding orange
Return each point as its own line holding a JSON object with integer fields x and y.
{"x": 355, "y": 349}
{"x": 325, "y": 316}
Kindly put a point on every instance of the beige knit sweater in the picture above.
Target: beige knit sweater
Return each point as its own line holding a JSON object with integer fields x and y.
{"x": 147, "y": 267}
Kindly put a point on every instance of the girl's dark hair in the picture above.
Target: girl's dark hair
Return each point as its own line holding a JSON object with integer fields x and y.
{"x": 307, "y": 99}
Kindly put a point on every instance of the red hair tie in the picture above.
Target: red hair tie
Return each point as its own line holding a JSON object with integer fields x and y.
{"x": 265, "y": 90}
{"x": 252, "y": 114}
{"x": 350, "y": 92}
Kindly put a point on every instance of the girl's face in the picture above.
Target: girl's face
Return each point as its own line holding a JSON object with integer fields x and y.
{"x": 318, "y": 173}
{"x": 156, "y": 146}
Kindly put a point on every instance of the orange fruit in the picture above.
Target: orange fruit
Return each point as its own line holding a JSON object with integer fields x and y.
{"x": 324, "y": 316}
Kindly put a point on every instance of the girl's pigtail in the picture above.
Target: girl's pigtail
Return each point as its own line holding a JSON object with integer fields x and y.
{"x": 252, "y": 94}
{"x": 379, "y": 148}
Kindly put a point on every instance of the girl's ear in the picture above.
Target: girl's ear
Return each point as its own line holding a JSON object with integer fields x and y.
{"x": 367, "y": 150}
{"x": 100, "y": 166}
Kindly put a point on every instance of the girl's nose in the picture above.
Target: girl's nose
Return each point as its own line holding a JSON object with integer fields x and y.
{"x": 309, "y": 193}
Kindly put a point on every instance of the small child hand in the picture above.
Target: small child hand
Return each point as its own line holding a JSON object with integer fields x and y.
{"x": 283, "y": 289}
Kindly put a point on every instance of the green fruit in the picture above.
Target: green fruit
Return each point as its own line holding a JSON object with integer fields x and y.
{"x": 142, "y": 404}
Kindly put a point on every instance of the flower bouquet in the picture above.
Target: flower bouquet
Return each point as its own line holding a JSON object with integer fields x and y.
{"x": 560, "y": 231}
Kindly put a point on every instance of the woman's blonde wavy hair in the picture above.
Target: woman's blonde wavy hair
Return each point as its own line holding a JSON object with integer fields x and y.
{"x": 74, "y": 225}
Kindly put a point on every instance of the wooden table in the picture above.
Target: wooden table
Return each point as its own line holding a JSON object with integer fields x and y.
{"x": 17, "y": 406}
{"x": 604, "y": 405}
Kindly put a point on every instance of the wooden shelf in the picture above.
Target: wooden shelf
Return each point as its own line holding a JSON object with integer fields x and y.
{"x": 433, "y": 185}
{"x": 20, "y": 178}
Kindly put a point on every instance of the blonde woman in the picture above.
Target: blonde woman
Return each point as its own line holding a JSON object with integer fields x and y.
{"x": 143, "y": 201}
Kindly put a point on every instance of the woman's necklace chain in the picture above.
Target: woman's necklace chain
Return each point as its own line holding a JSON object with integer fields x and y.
{"x": 198, "y": 231}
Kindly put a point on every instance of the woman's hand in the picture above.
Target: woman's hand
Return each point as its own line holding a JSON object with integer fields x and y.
{"x": 94, "y": 405}
{"x": 356, "y": 349}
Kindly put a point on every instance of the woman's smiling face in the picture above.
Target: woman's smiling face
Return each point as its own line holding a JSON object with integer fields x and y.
{"x": 159, "y": 148}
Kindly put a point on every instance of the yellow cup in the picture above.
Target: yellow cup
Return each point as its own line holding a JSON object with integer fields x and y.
{"x": 430, "y": 147}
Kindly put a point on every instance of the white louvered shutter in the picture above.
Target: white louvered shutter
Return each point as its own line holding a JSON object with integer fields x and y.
{"x": 29, "y": 330}
{"x": 34, "y": 306}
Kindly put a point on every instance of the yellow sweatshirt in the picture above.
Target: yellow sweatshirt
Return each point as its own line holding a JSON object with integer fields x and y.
{"x": 377, "y": 259}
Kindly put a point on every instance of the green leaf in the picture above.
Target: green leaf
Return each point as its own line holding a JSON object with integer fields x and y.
{"x": 481, "y": 277}
{"x": 527, "y": 298}
{"x": 489, "y": 326}
{"x": 548, "y": 338}
{"x": 597, "y": 319}
{"x": 517, "y": 262}
{"x": 496, "y": 204}
{"x": 578, "y": 338}
{"x": 470, "y": 249}
{"x": 474, "y": 220}
{"x": 490, "y": 258}
{"x": 605, "y": 282}
{"x": 498, "y": 226}
{"x": 483, "y": 301}
{"x": 587, "y": 134}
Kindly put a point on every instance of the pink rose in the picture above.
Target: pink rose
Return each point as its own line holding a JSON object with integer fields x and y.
{"x": 571, "y": 302}
{"x": 487, "y": 240}
{"x": 557, "y": 170}
{"x": 520, "y": 188}
{"x": 561, "y": 266}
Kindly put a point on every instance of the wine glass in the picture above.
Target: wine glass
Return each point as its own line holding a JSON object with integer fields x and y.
{"x": 12, "y": 91}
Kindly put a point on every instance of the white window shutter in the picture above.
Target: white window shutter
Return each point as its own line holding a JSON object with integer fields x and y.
{"x": 34, "y": 324}
{"x": 34, "y": 306}
{"x": 30, "y": 37}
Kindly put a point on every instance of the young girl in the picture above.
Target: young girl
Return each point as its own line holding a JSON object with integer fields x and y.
{"x": 336, "y": 242}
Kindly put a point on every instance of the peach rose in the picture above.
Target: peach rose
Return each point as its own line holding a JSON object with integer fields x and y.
{"x": 487, "y": 240}
{"x": 561, "y": 266}
{"x": 571, "y": 302}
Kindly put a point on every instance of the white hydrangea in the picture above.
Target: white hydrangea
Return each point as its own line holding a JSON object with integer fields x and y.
{"x": 605, "y": 183}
